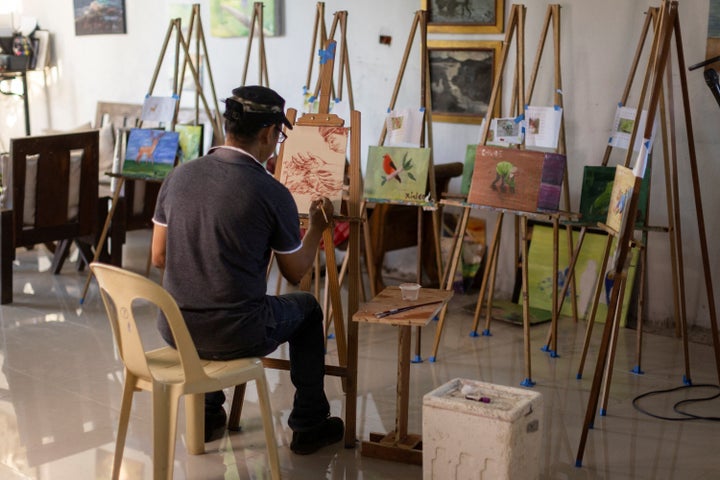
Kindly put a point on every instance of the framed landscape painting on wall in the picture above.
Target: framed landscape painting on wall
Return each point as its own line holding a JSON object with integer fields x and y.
{"x": 469, "y": 16}
{"x": 232, "y": 18}
{"x": 461, "y": 79}
{"x": 97, "y": 18}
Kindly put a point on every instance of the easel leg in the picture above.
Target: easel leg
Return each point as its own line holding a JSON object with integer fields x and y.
{"x": 491, "y": 287}
{"x": 607, "y": 380}
{"x": 590, "y": 318}
{"x": 491, "y": 258}
{"x": 641, "y": 303}
{"x": 597, "y": 378}
{"x": 452, "y": 268}
{"x": 528, "y": 382}
{"x": 103, "y": 236}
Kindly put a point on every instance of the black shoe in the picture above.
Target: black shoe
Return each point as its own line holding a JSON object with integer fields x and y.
{"x": 327, "y": 433}
{"x": 215, "y": 424}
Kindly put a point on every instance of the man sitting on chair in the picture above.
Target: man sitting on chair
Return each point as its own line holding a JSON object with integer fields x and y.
{"x": 216, "y": 221}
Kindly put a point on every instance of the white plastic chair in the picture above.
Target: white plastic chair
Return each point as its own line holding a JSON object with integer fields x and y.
{"x": 170, "y": 373}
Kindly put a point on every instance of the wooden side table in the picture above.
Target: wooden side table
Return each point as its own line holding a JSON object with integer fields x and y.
{"x": 399, "y": 445}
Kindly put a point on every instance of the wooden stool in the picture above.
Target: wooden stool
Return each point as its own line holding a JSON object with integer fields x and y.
{"x": 399, "y": 445}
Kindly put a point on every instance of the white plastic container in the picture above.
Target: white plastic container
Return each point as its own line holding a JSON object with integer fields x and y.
{"x": 476, "y": 430}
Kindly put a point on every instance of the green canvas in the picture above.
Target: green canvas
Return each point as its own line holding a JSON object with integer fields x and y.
{"x": 596, "y": 190}
{"x": 468, "y": 168}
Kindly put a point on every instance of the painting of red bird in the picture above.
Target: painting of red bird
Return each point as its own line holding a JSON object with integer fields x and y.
{"x": 390, "y": 168}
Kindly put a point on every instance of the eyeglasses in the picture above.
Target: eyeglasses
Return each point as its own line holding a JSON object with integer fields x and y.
{"x": 281, "y": 135}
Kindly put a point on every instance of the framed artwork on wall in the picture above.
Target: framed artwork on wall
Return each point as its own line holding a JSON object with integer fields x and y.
{"x": 461, "y": 79}
{"x": 98, "y": 18}
{"x": 232, "y": 18}
{"x": 467, "y": 16}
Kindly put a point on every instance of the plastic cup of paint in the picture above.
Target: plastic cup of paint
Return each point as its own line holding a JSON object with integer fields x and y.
{"x": 409, "y": 291}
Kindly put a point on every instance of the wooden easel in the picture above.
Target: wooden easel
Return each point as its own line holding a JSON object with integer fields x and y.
{"x": 652, "y": 17}
{"x": 515, "y": 30}
{"x": 552, "y": 17}
{"x": 346, "y": 341}
{"x": 180, "y": 42}
{"x": 257, "y": 21}
{"x": 420, "y": 22}
{"x": 321, "y": 37}
{"x": 553, "y": 14}
{"x": 668, "y": 26}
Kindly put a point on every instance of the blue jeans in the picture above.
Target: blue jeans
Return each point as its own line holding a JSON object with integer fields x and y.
{"x": 298, "y": 320}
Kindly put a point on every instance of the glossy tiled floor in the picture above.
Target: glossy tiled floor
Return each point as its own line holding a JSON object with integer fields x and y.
{"x": 60, "y": 387}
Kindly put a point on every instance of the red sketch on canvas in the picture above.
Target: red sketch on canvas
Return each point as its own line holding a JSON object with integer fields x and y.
{"x": 308, "y": 174}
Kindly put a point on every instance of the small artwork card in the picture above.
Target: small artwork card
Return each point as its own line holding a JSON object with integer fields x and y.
{"x": 542, "y": 126}
{"x": 313, "y": 164}
{"x": 397, "y": 174}
{"x": 623, "y": 125}
{"x": 507, "y": 130}
{"x": 520, "y": 180}
{"x": 190, "y": 139}
{"x": 158, "y": 109}
{"x": 404, "y": 127}
{"x": 150, "y": 153}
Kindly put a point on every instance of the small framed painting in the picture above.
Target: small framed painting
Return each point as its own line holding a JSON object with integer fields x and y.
{"x": 461, "y": 79}
{"x": 469, "y": 16}
{"x": 98, "y": 18}
{"x": 232, "y": 18}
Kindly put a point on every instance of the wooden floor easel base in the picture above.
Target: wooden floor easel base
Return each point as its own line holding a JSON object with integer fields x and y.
{"x": 388, "y": 447}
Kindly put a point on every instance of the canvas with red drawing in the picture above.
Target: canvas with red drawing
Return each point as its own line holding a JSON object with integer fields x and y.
{"x": 313, "y": 164}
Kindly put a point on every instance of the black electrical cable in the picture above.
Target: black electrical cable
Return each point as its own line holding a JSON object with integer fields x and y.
{"x": 686, "y": 416}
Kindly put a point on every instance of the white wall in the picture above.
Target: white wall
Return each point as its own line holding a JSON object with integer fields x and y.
{"x": 598, "y": 40}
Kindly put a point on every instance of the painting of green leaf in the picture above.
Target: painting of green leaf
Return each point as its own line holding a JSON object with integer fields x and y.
{"x": 233, "y": 18}
{"x": 397, "y": 174}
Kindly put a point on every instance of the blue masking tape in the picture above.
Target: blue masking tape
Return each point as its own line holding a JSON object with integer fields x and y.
{"x": 305, "y": 89}
{"x": 422, "y": 109}
{"x": 620, "y": 104}
{"x": 519, "y": 118}
{"x": 556, "y": 107}
{"x": 328, "y": 54}
{"x": 388, "y": 110}
{"x": 312, "y": 99}
{"x": 176, "y": 96}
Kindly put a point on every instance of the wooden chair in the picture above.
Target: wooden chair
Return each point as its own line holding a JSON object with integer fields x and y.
{"x": 54, "y": 197}
{"x": 170, "y": 373}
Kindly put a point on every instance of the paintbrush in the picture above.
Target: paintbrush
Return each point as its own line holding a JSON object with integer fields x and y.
{"x": 393, "y": 311}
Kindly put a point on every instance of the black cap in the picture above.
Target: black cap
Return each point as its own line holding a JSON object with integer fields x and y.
{"x": 256, "y": 103}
